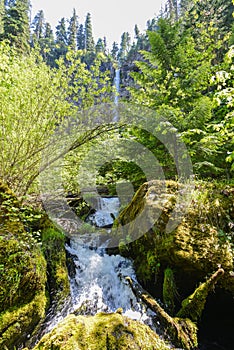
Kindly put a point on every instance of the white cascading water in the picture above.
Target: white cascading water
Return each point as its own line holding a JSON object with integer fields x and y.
{"x": 99, "y": 283}
{"x": 117, "y": 87}
{"x": 106, "y": 212}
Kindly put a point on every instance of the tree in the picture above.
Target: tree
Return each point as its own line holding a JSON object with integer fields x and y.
{"x": 89, "y": 42}
{"x": 47, "y": 44}
{"x": 16, "y": 24}
{"x": 61, "y": 38}
{"x": 72, "y": 31}
{"x": 34, "y": 100}
{"x": 115, "y": 50}
{"x": 38, "y": 25}
{"x": 100, "y": 46}
{"x": 136, "y": 31}
{"x": 124, "y": 45}
{"x": 81, "y": 38}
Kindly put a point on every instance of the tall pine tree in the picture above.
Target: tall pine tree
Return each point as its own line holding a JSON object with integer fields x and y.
{"x": 81, "y": 38}
{"x": 16, "y": 24}
{"x": 89, "y": 41}
{"x": 73, "y": 31}
{"x": 38, "y": 26}
{"x": 61, "y": 38}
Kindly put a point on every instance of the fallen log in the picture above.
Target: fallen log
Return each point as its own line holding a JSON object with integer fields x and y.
{"x": 182, "y": 329}
{"x": 182, "y": 332}
{"x": 193, "y": 306}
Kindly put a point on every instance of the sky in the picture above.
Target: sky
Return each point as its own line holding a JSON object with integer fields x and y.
{"x": 110, "y": 18}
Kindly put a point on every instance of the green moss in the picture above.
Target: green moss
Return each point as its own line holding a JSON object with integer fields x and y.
{"x": 192, "y": 307}
{"x": 22, "y": 274}
{"x": 169, "y": 291}
{"x": 18, "y": 322}
{"x": 101, "y": 332}
{"x": 53, "y": 245}
{"x": 202, "y": 241}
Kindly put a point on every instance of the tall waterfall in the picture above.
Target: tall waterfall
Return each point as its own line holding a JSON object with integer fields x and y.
{"x": 117, "y": 84}
{"x": 117, "y": 87}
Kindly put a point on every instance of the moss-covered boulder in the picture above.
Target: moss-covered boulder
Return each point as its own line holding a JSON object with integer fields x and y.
{"x": 202, "y": 241}
{"x": 101, "y": 332}
{"x": 22, "y": 274}
{"x": 53, "y": 246}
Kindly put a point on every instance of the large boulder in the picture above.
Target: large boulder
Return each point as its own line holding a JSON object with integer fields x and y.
{"x": 22, "y": 275}
{"x": 202, "y": 241}
{"x": 101, "y": 332}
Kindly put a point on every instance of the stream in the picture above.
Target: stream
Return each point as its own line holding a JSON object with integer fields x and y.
{"x": 98, "y": 281}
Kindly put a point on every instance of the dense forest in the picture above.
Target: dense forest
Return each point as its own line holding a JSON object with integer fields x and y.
{"x": 181, "y": 69}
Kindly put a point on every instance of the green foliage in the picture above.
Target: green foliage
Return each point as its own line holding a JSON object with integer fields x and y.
{"x": 53, "y": 242}
{"x": 16, "y": 24}
{"x": 22, "y": 264}
{"x": 89, "y": 41}
{"x": 175, "y": 78}
{"x": 34, "y": 98}
{"x": 72, "y": 31}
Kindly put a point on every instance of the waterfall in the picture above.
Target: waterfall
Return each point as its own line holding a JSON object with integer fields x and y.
{"x": 99, "y": 283}
{"x": 98, "y": 280}
{"x": 117, "y": 84}
{"x": 106, "y": 212}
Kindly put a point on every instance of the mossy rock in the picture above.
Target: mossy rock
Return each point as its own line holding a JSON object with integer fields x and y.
{"x": 203, "y": 240}
{"x": 18, "y": 323}
{"x": 53, "y": 246}
{"x": 22, "y": 274}
{"x": 101, "y": 332}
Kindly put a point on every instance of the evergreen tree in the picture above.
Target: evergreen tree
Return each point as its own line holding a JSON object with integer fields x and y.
{"x": 73, "y": 31}
{"x": 136, "y": 31}
{"x": 100, "y": 46}
{"x": 124, "y": 45}
{"x": 105, "y": 44}
{"x": 89, "y": 42}
{"x": 61, "y": 38}
{"x": 81, "y": 38}
{"x": 115, "y": 50}
{"x": 171, "y": 10}
{"x": 48, "y": 45}
{"x": 38, "y": 25}
{"x": 16, "y": 24}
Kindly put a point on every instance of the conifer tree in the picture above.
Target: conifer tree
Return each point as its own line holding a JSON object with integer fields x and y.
{"x": 124, "y": 45}
{"x": 100, "y": 46}
{"x": 136, "y": 31}
{"x": 61, "y": 38}
{"x": 16, "y": 24}
{"x": 81, "y": 38}
{"x": 48, "y": 45}
{"x": 89, "y": 41}
{"x": 38, "y": 25}
{"x": 115, "y": 50}
{"x": 73, "y": 31}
